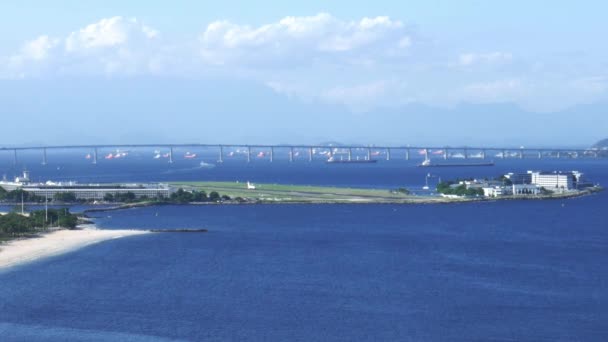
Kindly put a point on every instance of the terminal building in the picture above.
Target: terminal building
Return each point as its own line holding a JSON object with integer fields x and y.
{"x": 88, "y": 192}
{"x": 556, "y": 180}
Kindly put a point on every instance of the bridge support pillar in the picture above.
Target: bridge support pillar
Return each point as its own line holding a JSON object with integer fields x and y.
{"x": 221, "y": 156}
{"x": 171, "y": 155}
{"x": 249, "y": 154}
{"x": 95, "y": 156}
{"x": 388, "y": 154}
{"x": 407, "y": 154}
{"x": 466, "y": 153}
{"x": 350, "y": 154}
{"x": 291, "y": 154}
{"x": 483, "y": 154}
{"x": 310, "y": 154}
{"x": 445, "y": 154}
{"x": 504, "y": 154}
{"x": 44, "y": 157}
{"x": 426, "y": 154}
{"x": 369, "y": 153}
{"x": 558, "y": 154}
{"x": 521, "y": 154}
{"x": 271, "y": 154}
{"x": 540, "y": 155}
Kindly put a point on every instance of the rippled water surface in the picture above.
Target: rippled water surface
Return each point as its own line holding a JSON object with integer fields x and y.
{"x": 503, "y": 271}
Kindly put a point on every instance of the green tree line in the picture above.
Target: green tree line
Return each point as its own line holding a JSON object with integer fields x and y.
{"x": 14, "y": 224}
{"x": 446, "y": 188}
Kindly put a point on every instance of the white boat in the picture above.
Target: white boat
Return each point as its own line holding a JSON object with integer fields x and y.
{"x": 426, "y": 180}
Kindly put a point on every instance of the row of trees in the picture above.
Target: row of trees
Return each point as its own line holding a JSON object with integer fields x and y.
{"x": 180, "y": 196}
{"x": 14, "y": 224}
{"x": 446, "y": 188}
{"x": 18, "y": 195}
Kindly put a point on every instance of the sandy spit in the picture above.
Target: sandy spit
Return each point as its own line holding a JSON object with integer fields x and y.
{"x": 21, "y": 251}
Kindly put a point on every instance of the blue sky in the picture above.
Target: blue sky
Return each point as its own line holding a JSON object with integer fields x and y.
{"x": 361, "y": 67}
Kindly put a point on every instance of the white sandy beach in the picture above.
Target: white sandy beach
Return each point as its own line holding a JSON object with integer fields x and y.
{"x": 25, "y": 250}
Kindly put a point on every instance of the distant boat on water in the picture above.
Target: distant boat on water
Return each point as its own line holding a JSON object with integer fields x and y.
{"x": 206, "y": 165}
{"x": 429, "y": 163}
{"x": 333, "y": 160}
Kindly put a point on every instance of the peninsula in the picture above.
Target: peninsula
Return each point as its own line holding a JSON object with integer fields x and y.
{"x": 239, "y": 193}
{"x": 530, "y": 185}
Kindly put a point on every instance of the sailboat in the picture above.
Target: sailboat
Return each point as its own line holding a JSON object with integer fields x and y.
{"x": 426, "y": 186}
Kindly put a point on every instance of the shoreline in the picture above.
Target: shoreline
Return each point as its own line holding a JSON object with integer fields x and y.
{"x": 25, "y": 250}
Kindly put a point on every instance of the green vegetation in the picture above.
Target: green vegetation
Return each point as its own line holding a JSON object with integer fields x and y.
{"x": 14, "y": 224}
{"x": 183, "y": 196}
{"x": 449, "y": 188}
{"x": 180, "y": 196}
{"x": 545, "y": 191}
{"x": 19, "y": 195}
{"x": 401, "y": 191}
{"x": 66, "y": 197}
{"x": 505, "y": 181}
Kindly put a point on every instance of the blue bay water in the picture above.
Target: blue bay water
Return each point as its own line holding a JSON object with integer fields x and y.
{"x": 503, "y": 271}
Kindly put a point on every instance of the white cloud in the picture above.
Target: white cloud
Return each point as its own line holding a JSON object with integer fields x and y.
{"x": 362, "y": 63}
{"x": 302, "y": 39}
{"x": 39, "y": 48}
{"x": 497, "y": 57}
{"x": 111, "y": 45}
{"x": 592, "y": 85}
{"x": 108, "y": 33}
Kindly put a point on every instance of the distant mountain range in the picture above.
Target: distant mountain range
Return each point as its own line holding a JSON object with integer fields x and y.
{"x": 601, "y": 145}
{"x": 163, "y": 110}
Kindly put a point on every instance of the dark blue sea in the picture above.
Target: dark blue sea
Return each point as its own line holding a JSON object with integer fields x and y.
{"x": 493, "y": 271}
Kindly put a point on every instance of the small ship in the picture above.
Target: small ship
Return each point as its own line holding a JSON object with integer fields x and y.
{"x": 428, "y": 163}
{"x": 333, "y": 160}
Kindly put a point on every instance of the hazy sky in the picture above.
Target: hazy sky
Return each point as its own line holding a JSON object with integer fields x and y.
{"x": 279, "y": 71}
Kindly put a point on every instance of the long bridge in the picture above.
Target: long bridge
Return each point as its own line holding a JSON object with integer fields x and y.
{"x": 328, "y": 151}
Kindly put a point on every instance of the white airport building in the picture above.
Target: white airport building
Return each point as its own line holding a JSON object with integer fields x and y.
{"x": 89, "y": 192}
